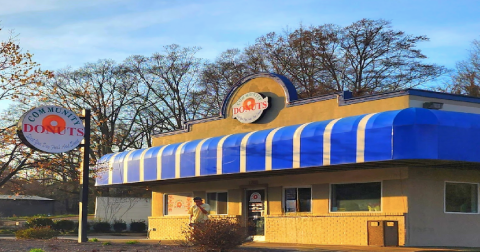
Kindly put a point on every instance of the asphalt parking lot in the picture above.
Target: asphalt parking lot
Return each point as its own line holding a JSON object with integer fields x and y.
{"x": 266, "y": 245}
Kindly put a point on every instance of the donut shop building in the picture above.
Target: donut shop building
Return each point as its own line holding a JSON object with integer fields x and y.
{"x": 398, "y": 168}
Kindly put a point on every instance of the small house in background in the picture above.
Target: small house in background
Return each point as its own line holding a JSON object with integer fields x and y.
{"x": 24, "y": 205}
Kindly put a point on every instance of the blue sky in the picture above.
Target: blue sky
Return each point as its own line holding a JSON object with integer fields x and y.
{"x": 64, "y": 33}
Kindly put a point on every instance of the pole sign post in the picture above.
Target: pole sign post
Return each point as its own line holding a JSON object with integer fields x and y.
{"x": 54, "y": 129}
{"x": 83, "y": 215}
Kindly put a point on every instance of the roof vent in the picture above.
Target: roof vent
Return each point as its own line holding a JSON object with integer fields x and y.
{"x": 433, "y": 105}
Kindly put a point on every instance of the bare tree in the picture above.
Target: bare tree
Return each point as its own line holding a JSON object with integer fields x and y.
{"x": 20, "y": 77}
{"x": 108, "y": 89}
{"x": 168, "y": 87}
{"x": 14, "y": 156}
{"x": 365, "y": 57}
{"x": 466, "y": 80}
{"x": 219, "y": 76}
{"x": 19, "y": 74}
{"x": 381, "y": 59}
{"x": 304, "y": 56}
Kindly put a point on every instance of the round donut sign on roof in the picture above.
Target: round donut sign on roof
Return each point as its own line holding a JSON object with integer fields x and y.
{"x": 249, "y": 107}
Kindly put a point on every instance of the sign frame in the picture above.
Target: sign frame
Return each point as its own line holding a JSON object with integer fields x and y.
{"x": 250, "y": 107}
{"x": 51, "y": 129}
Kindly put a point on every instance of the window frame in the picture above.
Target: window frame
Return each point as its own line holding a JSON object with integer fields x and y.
{"x": 165, "y": 203}
{"x": 445, "y": 197}
{"x": 217, "y": 192}
{"x": 342, "y": 212}
{"x": 284, "y": 203}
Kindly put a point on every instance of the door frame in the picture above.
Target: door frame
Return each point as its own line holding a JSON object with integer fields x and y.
{"x": 245, "y": 207}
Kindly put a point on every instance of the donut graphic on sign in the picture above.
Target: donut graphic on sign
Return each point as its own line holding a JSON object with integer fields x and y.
{"x": 255, "y": 197}
{"x": 249, "y": 107}
{"x": 54, "y": 123}
{"x": 179, "y": 204}
{"x": 249, "y": 104}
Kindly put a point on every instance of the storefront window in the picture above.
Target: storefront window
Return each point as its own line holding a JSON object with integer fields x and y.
{"x": 356, "y": 197}
{"x": 177, "y": 203}
{"x": 298, "y": 199}
{"x": 217, "y": 202}
{"x": 461, "y": 198}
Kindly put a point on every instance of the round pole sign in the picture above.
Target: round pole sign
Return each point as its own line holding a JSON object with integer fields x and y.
{"x": 51, "y": 129}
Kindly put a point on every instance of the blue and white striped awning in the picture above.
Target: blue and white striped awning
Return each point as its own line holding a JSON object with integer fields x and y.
{"x": 412, "y": 133}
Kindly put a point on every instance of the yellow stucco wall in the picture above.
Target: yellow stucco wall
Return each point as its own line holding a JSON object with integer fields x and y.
{"x": 317, "y": 227}
{"x": 278, "y": 115}
{"x": 157, "y": 204}
{"x": 393, "y": 195}
{"x": 234, "y": 202}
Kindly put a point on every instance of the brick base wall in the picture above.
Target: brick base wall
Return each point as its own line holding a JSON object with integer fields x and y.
{"x": 171, "y": 227}
{"x": 328, "y": 230}
{"x": 338, "y": 229}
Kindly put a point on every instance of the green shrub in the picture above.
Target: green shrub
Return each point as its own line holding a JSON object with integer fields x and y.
{"x": 36, "y": 250}
{"x": 138, "y": 226}
{"x": 101, "y": 226}
{"x": 93, "y": 240}
{"x": 36, "y": 233}
{"x": 39, "y": 222}
{"x": 216, "y": 234}
{"x": 107, "y": 243}
{"x": 119, "y": 226}
{"x": 6, "y": 231}
{"x": 64, "y": 225}
{"x": 131, "y": 242}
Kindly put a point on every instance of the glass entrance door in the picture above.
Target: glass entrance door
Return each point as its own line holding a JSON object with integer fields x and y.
{"x": 255, "y": 212}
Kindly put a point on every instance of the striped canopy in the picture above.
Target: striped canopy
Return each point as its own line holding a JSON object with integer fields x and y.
{"x": 413, "y": 133}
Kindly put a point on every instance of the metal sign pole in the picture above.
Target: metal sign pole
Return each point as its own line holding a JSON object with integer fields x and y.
{"x": 83, "y": 206}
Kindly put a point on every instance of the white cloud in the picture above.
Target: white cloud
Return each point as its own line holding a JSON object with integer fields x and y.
{"x": 16, "y": 7}
{"x": 130, "y": 21}
{"x": 67, "y": 32}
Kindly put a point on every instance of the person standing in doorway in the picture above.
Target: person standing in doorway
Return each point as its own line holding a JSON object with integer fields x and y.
{"x": 199, "y": 211}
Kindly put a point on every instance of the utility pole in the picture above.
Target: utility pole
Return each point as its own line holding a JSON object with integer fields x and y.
{"x": 83, "y": 206}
